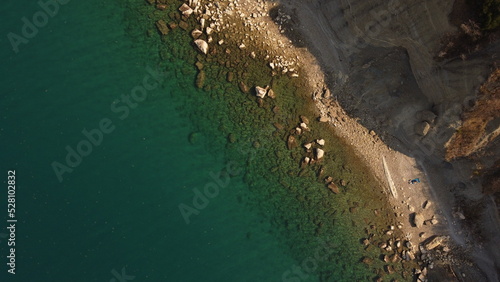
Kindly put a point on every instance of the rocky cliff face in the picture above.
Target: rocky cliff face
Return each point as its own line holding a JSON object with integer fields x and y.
{"x": 406, "y": 72}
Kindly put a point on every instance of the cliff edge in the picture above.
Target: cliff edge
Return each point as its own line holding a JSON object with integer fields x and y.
{"x": 415, "y": 72}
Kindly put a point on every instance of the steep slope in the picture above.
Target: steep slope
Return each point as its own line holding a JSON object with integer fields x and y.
{"x": 405, "y": 71}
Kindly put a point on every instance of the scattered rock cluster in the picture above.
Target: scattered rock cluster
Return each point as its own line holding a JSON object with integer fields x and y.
{"x": 245, "y": 23}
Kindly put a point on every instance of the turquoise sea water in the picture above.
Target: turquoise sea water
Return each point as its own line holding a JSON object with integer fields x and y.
{"x": 116, "y": 215}
{"x": 119, "y": 207}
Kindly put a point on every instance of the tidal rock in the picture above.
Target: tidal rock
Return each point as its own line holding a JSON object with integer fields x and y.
{"x": 304, "y": 125}
{"x": 243, "y": 87}
{"x": 321, "y": 142}
{"x": 305, "y": 161}
{"x": 304, "y": 119}
{"x": 162, "y": 27}
{"x": 200, "y": 79}
{"x": 199, "y": 65}
{"x": 328, "y": 179}
{"x": 308, "y": 146}
{"x": 260, "y": 92}
{"x": 184, "y": 25}
{"x": 196, "y": 33}
{"x": 172, "y": 25}
{"x": 271, "y": 94}
{"x": 319, "y": 153}
{"x": 185, "y": 10}
{"x": 291, "y": 142}
{"x": 323, "y": 119}
{"x": 386, "y": 258}
{"x": 334, "y": 188}
{"x": 161, "y": 7}
{"x": 202, "y": 45}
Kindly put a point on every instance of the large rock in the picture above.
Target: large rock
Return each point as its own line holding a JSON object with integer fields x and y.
{"x": 162, "y": 27}
{"x": 434, "y": 243}
{"x": 196, "y": 33}
{"x": 333, "y": 187}
{"x": 422, "y": 128}
{"x": 260, "y": 92}
{"x": 202, "y": 45}
{"x": 186, "y": 10}
{"x": 319, "y": 153}
{"x": 418, "y": 220}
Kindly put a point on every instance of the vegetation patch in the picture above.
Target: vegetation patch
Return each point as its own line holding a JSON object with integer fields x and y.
{"x": 471, "y": 136}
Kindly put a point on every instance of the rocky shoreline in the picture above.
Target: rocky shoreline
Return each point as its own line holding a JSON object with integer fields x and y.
{"x": 418, "y": 240}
